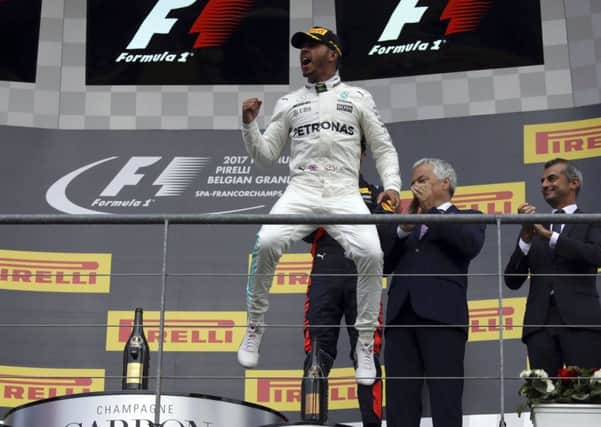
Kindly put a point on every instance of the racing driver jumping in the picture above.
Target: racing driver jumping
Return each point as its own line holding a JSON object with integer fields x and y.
{"x": 324, "y": 121}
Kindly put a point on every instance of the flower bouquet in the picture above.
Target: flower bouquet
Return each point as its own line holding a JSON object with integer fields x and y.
{"x": 572, "y": 385}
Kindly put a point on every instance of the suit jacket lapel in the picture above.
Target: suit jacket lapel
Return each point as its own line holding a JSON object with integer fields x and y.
{"x": 415, "y": 233}
{"x": 452, "y": 209}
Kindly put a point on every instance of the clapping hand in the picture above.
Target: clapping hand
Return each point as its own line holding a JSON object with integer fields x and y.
{"x": 528, "y": 230}
{"x": 412, "y": 209}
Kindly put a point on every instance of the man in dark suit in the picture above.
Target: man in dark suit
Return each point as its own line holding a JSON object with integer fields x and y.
{"x": 430, "y": 264}
{"x": 562, "y": 261}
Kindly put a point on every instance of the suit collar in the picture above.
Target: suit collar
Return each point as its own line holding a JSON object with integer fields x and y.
{"x": 453, "y": 209}
{"x": 329, "y": 84}
{"x": 444, "y": 207}
{"x": 569, "y": 209}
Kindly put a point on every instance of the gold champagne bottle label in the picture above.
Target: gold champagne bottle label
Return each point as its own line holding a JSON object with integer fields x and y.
{"x": 312, "y": 403}
{"x": 134, "y": 373}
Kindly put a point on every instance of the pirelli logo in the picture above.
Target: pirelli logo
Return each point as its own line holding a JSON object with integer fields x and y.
{"x": 21, "y": 385}
{"x": 292, "y": 274}
{"x": 484, "y": 319}
{"x": 55, "y": 272}
{"x": 280, "y": 389}
{"x": 578, "y": 139}
{"x": 501, "y": 198}
{"x": 201, "y": 331}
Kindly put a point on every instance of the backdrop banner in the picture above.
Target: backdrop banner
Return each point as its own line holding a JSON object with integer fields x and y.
{"x": 19, "y": 36}
{"x": 61, "y": 285}
{"x": 410, "y": 37}
{"x": 187, "y": 42}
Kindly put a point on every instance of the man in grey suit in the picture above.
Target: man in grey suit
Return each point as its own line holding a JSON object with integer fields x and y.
{"x": 562, "y": 261}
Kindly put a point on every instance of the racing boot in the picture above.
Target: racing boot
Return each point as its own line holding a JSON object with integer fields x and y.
{"x": 365, "y": 372}
{"x": 248, "y": 353}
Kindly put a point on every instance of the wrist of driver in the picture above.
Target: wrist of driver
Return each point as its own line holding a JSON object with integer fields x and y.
{"x": 248, "y": 125}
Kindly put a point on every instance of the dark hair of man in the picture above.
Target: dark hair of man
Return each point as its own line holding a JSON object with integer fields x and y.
{"x": 570, "y": 171}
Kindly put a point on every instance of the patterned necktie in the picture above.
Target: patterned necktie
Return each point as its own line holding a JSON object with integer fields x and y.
{"x": 556, "y": 228}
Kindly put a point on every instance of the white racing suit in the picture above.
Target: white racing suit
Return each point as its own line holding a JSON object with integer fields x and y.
{"x": 324, "y": 128}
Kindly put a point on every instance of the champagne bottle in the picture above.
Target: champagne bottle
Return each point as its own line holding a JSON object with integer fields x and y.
{"x": 314, "y": 390}
{"x": 136, "y": 357}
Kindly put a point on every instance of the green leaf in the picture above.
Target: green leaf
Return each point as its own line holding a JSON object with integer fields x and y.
{"x": 540, "y": 386}
{"x": 581, "y": 397}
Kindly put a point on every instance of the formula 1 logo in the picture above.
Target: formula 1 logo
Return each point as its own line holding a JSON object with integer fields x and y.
{"x": 214, "y": 25}
{"x": 422, "y": 37}
{"x": 187, "y": 42}
{"x": 462, "y": 16}
{"x": 406, "y": 12}
{"x": 174, "y": 179}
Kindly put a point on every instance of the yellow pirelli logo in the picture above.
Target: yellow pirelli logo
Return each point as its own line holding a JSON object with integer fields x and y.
{"x": 292, "y": 274}
{"x": 500, "y": 198}
{"x": 281, "y": 389}
{"x": 201, "y": 331}
{"x": 20, "y": 385}
{"x": 484, "y": 319}
{"x": 55, "y": 272}
{"x": 578, "y": 139}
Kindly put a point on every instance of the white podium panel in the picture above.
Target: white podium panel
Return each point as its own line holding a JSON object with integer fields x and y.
{"x": 135, "y": 409}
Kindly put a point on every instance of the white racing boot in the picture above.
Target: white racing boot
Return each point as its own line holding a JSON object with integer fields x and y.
{"x": 248, "y": 353}
{"x": 365, "y": 373}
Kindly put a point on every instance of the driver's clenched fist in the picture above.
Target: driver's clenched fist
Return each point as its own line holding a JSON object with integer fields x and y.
{"x": 250, "y": 109}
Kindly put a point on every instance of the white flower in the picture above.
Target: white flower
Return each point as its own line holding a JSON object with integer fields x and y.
{"x": 534, "y": 373}
{"x": 525, "y": 373}
{"x": 550, "y": 386}
{"x": 596, "y": 377}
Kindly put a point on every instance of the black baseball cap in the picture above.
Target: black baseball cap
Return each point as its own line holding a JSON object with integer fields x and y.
{"x": 318, "y": 34}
